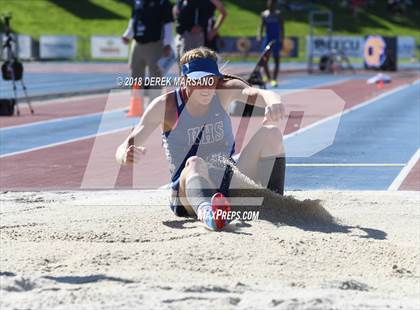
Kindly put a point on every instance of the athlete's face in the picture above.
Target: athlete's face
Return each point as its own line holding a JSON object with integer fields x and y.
{"x": 202, "y": 91}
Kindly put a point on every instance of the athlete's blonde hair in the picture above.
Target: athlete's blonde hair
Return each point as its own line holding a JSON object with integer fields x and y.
{"x": 199, "y": 52}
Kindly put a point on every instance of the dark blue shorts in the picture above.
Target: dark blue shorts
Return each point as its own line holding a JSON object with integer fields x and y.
{"x": 275, "y": 52}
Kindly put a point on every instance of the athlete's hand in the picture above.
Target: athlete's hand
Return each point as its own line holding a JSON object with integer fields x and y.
{"x": 196, "y": 29}
{"x": 128, "y": 153}
{"x": 167, "y": 51}
{"x": 211, "y": 34}
{"x": 125, "y": 40}
{"x": 134, "y": 153}
{"x": 273, "y": 113}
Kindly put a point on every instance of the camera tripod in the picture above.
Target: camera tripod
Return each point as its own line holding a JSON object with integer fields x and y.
{"x": 12, "y": 69}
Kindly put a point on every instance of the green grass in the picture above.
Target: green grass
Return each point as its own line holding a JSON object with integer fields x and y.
{"x": 109, "y": 17}
{"x": 36, "y": 17}
{"x": 68, "y": 17}
{"x": 244, "y": 19}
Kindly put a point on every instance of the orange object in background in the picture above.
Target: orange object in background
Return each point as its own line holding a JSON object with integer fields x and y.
{"x": 136, "y": 105}
{"x": 380, "y": 84}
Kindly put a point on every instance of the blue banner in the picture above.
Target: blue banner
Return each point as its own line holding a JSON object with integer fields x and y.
{"x": 250, "y": 45}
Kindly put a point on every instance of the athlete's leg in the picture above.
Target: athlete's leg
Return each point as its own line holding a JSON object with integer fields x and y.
{"x": 195, "y": 185}
{"x": 276, "y": 67}
{"x": 263, "y": 159}
{"x": 179, "y": 47}
{"x": 152, "y": 55}
{"x": 137, "y": 61}
{"x": 199, "y": 195}
{"x": 276, "y": 57}
{"x": 266, "y": 64}
{"x": 267, "y": 71}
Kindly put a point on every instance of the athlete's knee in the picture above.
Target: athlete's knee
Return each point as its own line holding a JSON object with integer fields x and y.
{"x": 196, "y": 164}
{"x": 273, "y": 140}
{"x": 194, "y": 161}
{"x": 271, "y": 132}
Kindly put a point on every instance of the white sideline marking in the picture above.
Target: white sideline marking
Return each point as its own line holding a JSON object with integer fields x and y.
{"x": 67, "y": 141}
{"x": 404, "y": 172}
{"x": 54, "y": 101}
{"x": 166, "y": 186}
{"x": 346, "y": 165}
{"x": 361, "y": 105}
{"x": 65, "y": 99}
{"x": 66, "y": 118}
{"x": 339, "y": 114}
{"x": 314, "y": 86}
{"x": 73, "y": 98}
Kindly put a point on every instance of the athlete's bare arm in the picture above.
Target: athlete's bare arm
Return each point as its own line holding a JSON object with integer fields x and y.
{"x": 236, "y": 89}
{"x": 133, "y": 146}
{"x": 175, "y": 11}
{"x": 222, "y": 16}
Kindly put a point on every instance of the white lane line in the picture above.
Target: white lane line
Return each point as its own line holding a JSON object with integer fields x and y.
{"x": 53, "y": 101}
{"x": 390, "y": 92}
{"x": 67, "y": 141}
{"x": 54, "y": 120}
{"x": 347, "y": 165}
{"x": 166, "y": 186}
{"x": 395, "y": 185}
{"x": 359, "y": 106}
{"x": 81, "y": 97}
{"x": 313, "y": 86}
{"x": 363, "y": 104}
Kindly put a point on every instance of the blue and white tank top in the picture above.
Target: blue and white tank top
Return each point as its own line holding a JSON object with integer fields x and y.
{"x": 205, "y": 136}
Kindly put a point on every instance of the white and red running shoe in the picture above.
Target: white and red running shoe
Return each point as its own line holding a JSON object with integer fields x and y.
{"x": 215, "y": 215}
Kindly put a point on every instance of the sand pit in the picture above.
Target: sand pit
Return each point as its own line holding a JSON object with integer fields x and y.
{"x": 125, "y": 250}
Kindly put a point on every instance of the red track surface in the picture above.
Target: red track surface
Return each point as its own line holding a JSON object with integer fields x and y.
{"x": 58, "y": 109}
{"x": 412, "y": 181}
{"x": 64, "y": 166}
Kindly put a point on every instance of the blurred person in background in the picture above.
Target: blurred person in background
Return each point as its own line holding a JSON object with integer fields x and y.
{"x": 192, "y": 23}
{"x": 150, "y": 26}
{"x": 356, "y": 6}
{"x": 212, "y": 42}
{"x": 273, "y": 24}
{"x": 397, "y": 7}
